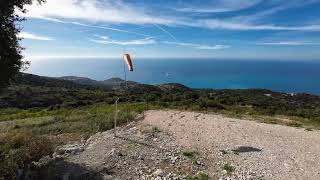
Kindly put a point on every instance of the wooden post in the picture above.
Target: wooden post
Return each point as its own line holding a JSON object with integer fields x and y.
{"x": 115, "y": 119}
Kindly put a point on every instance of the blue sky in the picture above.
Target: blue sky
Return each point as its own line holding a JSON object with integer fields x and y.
{"x": 242, "y": 29}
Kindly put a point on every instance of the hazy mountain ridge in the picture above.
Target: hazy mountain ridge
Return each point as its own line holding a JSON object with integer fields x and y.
{"x": 176, "y": 87}
{"x": 112, "y": 83}
{"x": 80, "y": 80}
{"x": 118, "y": 83}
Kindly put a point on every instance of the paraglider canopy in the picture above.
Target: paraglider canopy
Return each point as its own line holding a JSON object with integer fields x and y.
{"x": 127, "y": 59}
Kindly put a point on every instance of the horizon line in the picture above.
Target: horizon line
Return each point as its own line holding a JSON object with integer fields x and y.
{"x": 30, "y": 58}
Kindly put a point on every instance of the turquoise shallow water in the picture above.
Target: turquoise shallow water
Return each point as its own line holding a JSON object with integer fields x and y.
{"x": 286, "y": 76}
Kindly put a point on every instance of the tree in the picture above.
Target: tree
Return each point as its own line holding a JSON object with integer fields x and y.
{"x": 11, "y": 59}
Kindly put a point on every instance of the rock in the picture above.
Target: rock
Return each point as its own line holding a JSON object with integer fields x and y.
{"x": 173, "y": 159}
{"x": 43, "y": 161}
{"x": 133, "y": 129}
{"x": 158, "y": 172}
{"x": 112, "y": 152}
{"x": 69, "y": 149}
{"x": 107, "y": 177}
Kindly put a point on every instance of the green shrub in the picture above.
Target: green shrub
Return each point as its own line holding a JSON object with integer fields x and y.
{"x": 189, "y": 154}
{"x": 227, "y": 167}
{"x": 200, "y": 176}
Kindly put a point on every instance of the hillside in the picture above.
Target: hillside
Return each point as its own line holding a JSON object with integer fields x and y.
{"x": 30, "y": 91}
{"x": 80, "y": 80}
{"x": 112, "y": 83}
{"x": 39, "y": 114}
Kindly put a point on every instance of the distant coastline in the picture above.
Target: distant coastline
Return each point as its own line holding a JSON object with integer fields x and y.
{"x": 283, "y": 76}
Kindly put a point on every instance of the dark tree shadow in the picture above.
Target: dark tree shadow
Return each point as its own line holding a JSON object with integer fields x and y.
{"x": 62, "y": 170}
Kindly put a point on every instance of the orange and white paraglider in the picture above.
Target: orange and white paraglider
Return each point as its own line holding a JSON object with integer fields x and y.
{"x": 127, "y": 59}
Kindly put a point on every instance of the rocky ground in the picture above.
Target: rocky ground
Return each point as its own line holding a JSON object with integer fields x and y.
{"x": 189, "y": 145}
{"x": 137, "y": 152}
{"x": 244, "y": 149}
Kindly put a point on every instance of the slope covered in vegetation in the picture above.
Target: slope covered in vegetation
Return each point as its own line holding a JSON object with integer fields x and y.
{"x": 31, "y": 91}
{"x": 39, "y": 110}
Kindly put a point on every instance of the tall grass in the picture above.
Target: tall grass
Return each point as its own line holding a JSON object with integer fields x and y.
{"x": 29, "y": 135}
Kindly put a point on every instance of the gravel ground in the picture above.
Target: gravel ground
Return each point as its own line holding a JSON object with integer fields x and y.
{"x": 253, "y": 150}
{"x": 188, "y": 145}
{"x": 138, "y": 152}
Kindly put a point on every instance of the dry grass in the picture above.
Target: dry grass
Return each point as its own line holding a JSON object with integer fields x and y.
{"x": 28, "y": 135}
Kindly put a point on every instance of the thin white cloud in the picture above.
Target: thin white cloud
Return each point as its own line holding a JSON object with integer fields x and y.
{"x": 107, "y": 28}
{"x": 219, "y": 6}
{"x": 220, "y": 24}
{"x": 255, "y": 21}
{"x": 165, "y": 31}
{"x": 144, "y": 41}
{"x": 101, "y": 37}
{"x": 109, "y": 11}
{"x": 198, "y": 46}
{"x": 276, "y": 6}
{"x": 289, "y": 43}
{"x": 26, "y": 35}
{"x": 120, "y": 12}
{"x": 235, "y": 25}
{"x": 95, "y": 26}
{"x": 214, "y": 47}
{"x": 180, "y": 43}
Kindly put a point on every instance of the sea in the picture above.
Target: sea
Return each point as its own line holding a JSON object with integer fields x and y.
{"x": 291, "y": 76}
